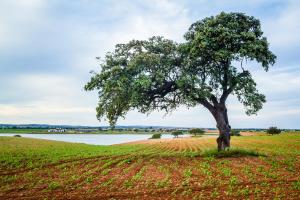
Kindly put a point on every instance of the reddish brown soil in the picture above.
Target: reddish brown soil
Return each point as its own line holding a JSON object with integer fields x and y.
{"x": 156, "y": 177}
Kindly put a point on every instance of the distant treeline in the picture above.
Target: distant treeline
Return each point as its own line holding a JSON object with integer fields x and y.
{"x": 119, "y": 128}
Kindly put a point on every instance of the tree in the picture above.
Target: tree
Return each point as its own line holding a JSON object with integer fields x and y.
{"x": 159, "y": 74}
{"x": 235, "y": 132}
{"x": 196, "y": 131}
{"x": 156, "y": 136}
{"x": 273, "y": 130}
{"x": 177, "y": 133}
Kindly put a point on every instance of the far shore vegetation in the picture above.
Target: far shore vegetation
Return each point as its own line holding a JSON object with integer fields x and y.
{"x": 147, "y": 130}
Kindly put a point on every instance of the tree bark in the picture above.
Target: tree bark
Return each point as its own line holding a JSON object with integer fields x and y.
{"x": 220, "y": 115}
{"x": 219, "y": 111}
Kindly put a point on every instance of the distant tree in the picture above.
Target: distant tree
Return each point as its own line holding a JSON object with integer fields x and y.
{"x": 273, "y": 130}
{"x": 210, "y": 65}
{"x": 156, "y": 136}
{"x": 196, "y": 131}
{"x": 235, "y": 132}
{"x": 177, "y": 133}
{"x": 17, "y": 136}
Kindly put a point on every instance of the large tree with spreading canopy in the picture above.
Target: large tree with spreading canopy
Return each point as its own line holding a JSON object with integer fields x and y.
{"x": 160, "y": 74}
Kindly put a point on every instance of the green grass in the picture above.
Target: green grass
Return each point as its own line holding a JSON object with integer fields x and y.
{"x": 24, "y": 131}
{"x": 27, "y": 152}
{"x": 233, "y": 152}
{"x": 53, "y": 185}
{"x": 282, "y": 144}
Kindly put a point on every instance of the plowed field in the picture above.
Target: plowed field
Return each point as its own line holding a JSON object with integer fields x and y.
{"x": 258, "y": 167}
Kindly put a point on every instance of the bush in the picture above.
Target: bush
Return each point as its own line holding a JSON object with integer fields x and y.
{"x": 176, "y": 133}
{"x": 196, "y": 131}
{"x": 273, "y": 130}
{"x": 156, "y": 136}
{"x": 235, "y": 132}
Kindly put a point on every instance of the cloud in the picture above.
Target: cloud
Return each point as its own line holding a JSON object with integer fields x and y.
{"x": 274, "y": 113}
{"x": 48, "y": 75}
{"x": 47, "y": 98}
{"x": 48, "y": 48}
{"x": 283, "y": 83}
{"x": 45, "y": 114}
{"x": 134, "y": 22}
{"x": 183, "y": 117}
{"x": 41, "y": 87}
{"x": 17, "y": 22}
{"x": 43, "y": 36}
{"x": 284, "y": 30}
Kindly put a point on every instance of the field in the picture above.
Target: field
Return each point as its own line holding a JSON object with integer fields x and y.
{"x": 257, "y": 167}
{"x": 23, "y": 130}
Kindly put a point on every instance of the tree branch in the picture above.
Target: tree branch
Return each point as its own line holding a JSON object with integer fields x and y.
{"x": 207, "y": 105}
{"x": 166, "y": 88}
{"x": 226, "y": 94}
{"x": 214, "y": 99}
{"x": 231, "y": 88}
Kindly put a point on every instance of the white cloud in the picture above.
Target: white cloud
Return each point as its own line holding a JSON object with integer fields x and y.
{"x": 38, "y": 96}
{"x": 92, "y": 29}
{"x": 18, "y": 20}
{"x": 156, "y": 18}
{"x": 278, "y": 82}
{"x": 48, "y": 98}
{"x": 53, "y": 114}
{"x": 46, "y": 88}
{"x": 193, "y": 117}
{"x": 284, "y": 30}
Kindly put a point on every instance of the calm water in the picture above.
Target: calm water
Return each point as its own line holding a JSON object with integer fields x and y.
{"x": 99, "y": 139}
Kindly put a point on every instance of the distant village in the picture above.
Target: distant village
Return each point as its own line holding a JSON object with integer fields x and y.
{"x": 57, "y": 130}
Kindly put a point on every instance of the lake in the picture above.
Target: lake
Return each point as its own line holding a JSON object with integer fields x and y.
{"x": 98, "y": 139}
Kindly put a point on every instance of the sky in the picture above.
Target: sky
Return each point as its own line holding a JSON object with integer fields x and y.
{"x": 48, "y": 48}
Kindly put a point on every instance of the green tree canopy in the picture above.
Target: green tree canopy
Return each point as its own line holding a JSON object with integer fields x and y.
{"x": 273, "y": 130}
{"x": 196, "y": 131}
{"x": 177, "y": 133}
{"x": 160, "y": 74}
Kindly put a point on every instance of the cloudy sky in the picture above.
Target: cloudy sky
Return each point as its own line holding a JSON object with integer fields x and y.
{"x": 47, "y": 49}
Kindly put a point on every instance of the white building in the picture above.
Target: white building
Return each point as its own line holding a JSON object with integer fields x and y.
{"x": 56, "y": 130}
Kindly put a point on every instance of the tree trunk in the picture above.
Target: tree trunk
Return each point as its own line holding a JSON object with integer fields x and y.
{"x": 223, "y": 126}
{"x": 219, "y": 111}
